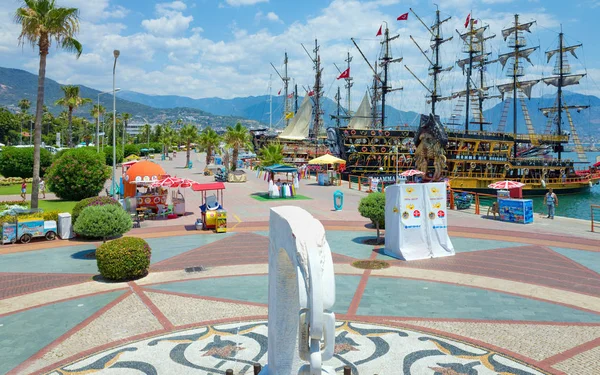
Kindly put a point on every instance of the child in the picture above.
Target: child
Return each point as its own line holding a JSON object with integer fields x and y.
{"x": 23, "y": 190}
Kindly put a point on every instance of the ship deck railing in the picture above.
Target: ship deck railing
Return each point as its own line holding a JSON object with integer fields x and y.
{"x": 543, "y": 138}
{"x": 595, "y": 217}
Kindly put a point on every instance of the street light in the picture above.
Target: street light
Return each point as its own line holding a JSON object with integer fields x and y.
{"x": 116, "y": 53}
{"x": 98, "y": 120}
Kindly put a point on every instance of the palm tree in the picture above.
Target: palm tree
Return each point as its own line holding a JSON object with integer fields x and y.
{"x": 146, "y": 131}
{"x": 125, "y": 117}
{"x": 271, "y": 154}
{"x": 41, "y": 22}
{"x": 166, "y": 138}
{"x": 209, "y": 140}
{"x": 189, "y": 135}
{"x": 71, "y": 101}
{"x": 24, "y": 105}
{"x": 237, "y": 137}
{"x": 96, "y": 112}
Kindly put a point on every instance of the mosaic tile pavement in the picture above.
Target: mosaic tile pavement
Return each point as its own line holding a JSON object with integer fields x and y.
{"x": 505, "y": 305}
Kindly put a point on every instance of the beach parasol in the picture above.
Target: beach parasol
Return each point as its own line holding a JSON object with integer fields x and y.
{"x": 506, "y": 185}
{"x": 167, "y": 182}
{"x": 411, "y": 172}
{"x": 185, "y": 183}
{"x": 326, "y": 159}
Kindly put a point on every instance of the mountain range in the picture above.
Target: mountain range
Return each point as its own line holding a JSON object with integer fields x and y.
{"x": 254, "y": 110}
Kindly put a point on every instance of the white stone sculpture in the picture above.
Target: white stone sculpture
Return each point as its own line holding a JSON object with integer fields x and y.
{"x": 301, "y": 295}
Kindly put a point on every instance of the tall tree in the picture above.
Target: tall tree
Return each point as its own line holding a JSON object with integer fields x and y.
{"x": 71, "y": 101}
{"x": 146, "y": 132}
{"x": 126, "y": 117}
{"x": 24, "y": 106}
{"x": 96, "y": 112}
{"x": 271, "y": 154}
{"x": 189, "y": 135}
{"x": 237, "y": 137}
{"x": 166, "y": 138}
{"x": 209, "y": 140}
{"x": 41, "y": 22}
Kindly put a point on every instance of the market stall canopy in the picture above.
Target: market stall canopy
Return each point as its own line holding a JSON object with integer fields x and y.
{"x": 144, "y": 172}
{"x": 129, "y": 163}
{"x": 506, "y": 185}
{"x": 327, "y": 159}
{"x": 279, "y": 168}
{"x": 411, "y": 172}
{"x": 209, "y": 186}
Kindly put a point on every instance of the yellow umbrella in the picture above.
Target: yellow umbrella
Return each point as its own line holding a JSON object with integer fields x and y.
{"x": 327, "y": 159}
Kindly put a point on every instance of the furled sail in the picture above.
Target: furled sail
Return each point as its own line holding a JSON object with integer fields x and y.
{"x": 362, "y": 118}
{"x": 525, "y": 86}
{"x": 299, "y": 126}
{"x": 571, "y": 49}
{"x": 524, "y": 53}
{"x": 477, "y": 33}
{"x": 569, "y": 80}
{"x": 522, "y": 27}
{"x": 549, "y": 110}
{"x": 478, "y": 58}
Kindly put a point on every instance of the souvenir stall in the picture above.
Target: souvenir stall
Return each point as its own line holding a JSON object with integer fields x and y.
{"x": 278, "y": 188}
{"x": 138, "y": 192}
{"x": 329, "y": 176}
{"x": 510, "y": 209}
{"x": 213, "y": 214}
{"x": 177, "y": 197}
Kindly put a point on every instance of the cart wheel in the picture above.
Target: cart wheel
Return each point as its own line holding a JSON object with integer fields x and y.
{"x": 25, "y": 238}
{"x": 50, "y": 236}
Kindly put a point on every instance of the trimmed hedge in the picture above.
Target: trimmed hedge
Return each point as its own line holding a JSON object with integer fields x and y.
{"x": 79, "y": 173}
{"x": 124, "y": 259}
{"x": 108, "y": 154}
{"x": 103, "y": 222}
{"x": 131, "y": 150}
{"x": 18, "y": 161}
{"x": 88, "y": 202}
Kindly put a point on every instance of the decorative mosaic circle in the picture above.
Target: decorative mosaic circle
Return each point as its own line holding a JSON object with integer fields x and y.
{"x": 366, "y": 348}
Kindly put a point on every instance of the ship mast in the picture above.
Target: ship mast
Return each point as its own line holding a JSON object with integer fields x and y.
{"x": 270, "y": 104}
{"x": 286, "y": 80}
{"x": 435, "y": 67}
{"x": 348, "y": 86}
{"x": 317, "y": 94}
{"x": 563, "y": 77}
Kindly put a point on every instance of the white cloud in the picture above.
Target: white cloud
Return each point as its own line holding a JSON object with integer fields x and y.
{"x": 175, "y": 5}
{"x": 271, "y": 16}
{"x": 172, "y": 21}
{"x": 96, "y": 9}
{"x": 237, "y": 3}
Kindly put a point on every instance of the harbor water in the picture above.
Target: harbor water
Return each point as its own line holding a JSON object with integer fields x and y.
{"x": 575, "y": 206}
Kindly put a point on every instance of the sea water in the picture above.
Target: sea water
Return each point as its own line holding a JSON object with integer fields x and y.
{"x": 575, "y": 206}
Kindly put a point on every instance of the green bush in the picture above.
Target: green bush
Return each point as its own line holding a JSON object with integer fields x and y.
{"x": 373, "y": 208}
{"x": 102, "y": 222}
{"x": 123, "y": 259}
{"x": 93, "y": 201}
{"x": 108, "y": 154}
{"x": 131, "y": 150}
{"x": 79, "y": 173}
{"x": 51, "y": 215}
{"x": 18, "y": 161}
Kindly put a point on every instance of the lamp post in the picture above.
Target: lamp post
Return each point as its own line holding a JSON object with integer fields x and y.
{"x": 116, "y": 53}
{"x": 98, "y": 120}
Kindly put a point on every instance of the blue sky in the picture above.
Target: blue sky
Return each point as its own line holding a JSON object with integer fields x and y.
{"x": 207, "y": 48}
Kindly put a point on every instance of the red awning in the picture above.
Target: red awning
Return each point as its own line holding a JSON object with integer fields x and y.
{"x": 210, "y": 186}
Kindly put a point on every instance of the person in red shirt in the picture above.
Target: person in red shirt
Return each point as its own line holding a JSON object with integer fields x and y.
{"x": 23, "y": 190}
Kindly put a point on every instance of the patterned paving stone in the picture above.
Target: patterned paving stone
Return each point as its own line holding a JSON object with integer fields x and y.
{"x": 24, "y": 334}
{"x": 69, "y": 259}
{"x": 536, "y": 341}
{"x": 585, "y": 363}
{"x": 182, "y": 310}
{"x": 168, "y": 247}
{"x": 415, "y": 298}
{"x": 529, "y": 264}
{"x": 14, "y": 284}
{"x": 588, "y": 259}
{"x": 128, "y": 318}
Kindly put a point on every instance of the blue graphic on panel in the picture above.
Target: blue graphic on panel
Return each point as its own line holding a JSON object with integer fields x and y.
{"x": 516, "y": 210}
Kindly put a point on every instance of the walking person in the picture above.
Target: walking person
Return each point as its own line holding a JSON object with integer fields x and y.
{"x": 551, "y": 200}
{"x": 23, "y": 190}
{"x": 43, "y": 188}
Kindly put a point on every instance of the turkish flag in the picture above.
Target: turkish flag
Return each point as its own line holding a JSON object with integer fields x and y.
{"x": 403, "y": 17}
{"x": 467, "y": 20}
{"x": 279, "y": 93}
{"x": 311, "y": 93}
{"x": 345, "y": 74}
{"x": 379, "y": 32}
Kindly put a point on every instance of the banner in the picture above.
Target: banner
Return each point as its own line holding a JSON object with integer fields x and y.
{"x": 437, "y": 222}
{"x": 416, "y": 222}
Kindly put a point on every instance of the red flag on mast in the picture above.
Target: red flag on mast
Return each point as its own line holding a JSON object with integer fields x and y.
{"x": 467, "y": 20}
{"x": 379, "y": 32}
{"x": 279, "y": 93}
{"x": 403, "y": 17}
{"x": 345, "y": 74}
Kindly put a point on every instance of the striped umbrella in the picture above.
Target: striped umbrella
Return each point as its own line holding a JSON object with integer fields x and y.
{"x": 411, "y": 172}
{"x": 506, "y": 185}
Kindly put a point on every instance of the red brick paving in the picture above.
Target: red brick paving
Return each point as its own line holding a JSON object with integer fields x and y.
{"x": 528, "y": 264}
{"x": 14, "y": 284}
{"x": 239, "y": 249}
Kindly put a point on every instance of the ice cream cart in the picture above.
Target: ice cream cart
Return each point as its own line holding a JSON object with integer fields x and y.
{"x": 213, "y": 215}
{"x": 25, "y": 230}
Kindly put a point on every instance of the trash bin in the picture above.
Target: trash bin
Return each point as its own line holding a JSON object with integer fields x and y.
{"x": 199, "y": 223}
{"x": 221, "y": 223}
{"x": 65, "y": 227}
{"x": 338, "y": 200}
{"x": 190, "y": 165}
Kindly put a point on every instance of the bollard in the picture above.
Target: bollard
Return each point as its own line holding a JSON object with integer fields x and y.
{"x": 338, "y": 200}
{"x": 229, "y": 372}
{"x": 347, "y": 370}
{"x": 257, "y": 368}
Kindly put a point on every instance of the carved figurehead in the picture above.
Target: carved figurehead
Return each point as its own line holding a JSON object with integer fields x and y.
{"x": 301, "y": 295}
{"x": 431, "y": 141}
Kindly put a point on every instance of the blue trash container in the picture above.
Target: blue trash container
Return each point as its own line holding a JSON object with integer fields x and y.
{"x": 338, "y": 200}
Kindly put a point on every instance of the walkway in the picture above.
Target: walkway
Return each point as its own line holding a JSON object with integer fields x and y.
{"x": 514, "y": 300}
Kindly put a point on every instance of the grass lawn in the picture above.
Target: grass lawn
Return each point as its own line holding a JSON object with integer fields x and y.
{"x": 13, "y": 189}
{"x": 57, "y": 205}
{"x": 264, "y": 197}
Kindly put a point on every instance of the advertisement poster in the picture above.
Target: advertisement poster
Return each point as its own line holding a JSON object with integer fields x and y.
{"x": 405, "y": 236}
{"x": 437, "y": 222}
